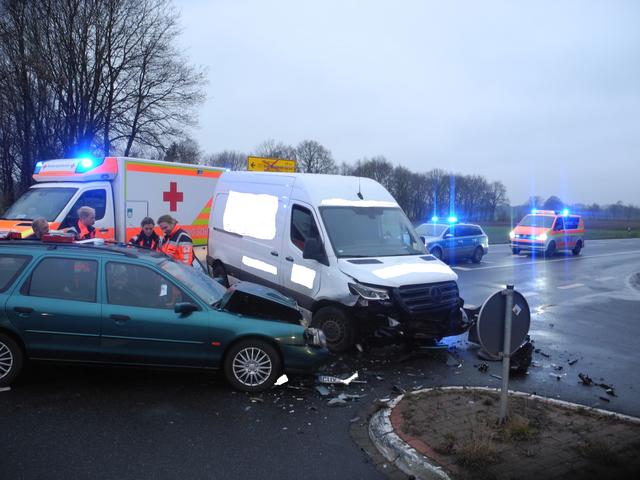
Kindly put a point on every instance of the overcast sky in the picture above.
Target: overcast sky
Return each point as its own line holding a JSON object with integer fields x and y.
{"x": 543, "y": 95}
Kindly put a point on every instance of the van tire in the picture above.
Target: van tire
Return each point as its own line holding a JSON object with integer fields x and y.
{"x": 515, "y": 251}
{"x": 551, "y": 249}
{"x": 12, "y": 359}
{"x": 338, "y": 328}
{"x": 577, "y": 249}
{"x": 218, "y": 270}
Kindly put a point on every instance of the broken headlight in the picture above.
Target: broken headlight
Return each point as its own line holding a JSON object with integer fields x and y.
{"x": 315, "y": 337}
{"x": 369, "y": 293}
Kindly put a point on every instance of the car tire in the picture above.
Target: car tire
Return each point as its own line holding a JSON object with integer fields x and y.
{"x": 437, "y": 252}
{"x": 551, "y": 249}
{"x": 11, "y": 360}
{"x": 515, "y": 251}
{"x": 577, "y": 249}
{"x": 217, "y": 270}
{"x": 252, "y": 365}
{"x": 478, "y": 253}
{"x": 338, "y": 328}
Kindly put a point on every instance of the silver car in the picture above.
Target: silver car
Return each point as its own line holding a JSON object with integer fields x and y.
{"x": 455, "y": 241}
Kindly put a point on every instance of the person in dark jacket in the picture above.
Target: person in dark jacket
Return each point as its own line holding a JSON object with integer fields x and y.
{"x": 40, "y": 227}
{"x": 147, "y": 238}
{"x": 84, "y": 229}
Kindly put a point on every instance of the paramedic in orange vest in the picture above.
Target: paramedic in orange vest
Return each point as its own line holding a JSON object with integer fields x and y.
{"x": 84, "y": 229}
{"x": 147, "y": 238}
{"x": 176, "y": 243}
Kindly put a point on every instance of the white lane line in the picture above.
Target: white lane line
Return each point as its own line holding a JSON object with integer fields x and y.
{"x": 565, "y": 259}
{"x": 573, "y": 285}
{"x": 464, "y": 269}
{"x": 605, "y": 279}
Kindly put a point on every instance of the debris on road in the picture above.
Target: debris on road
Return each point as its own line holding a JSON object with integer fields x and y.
{"x": 557, "y": 368}
{"x": 483, "y": 367}
{"x": 335, "y": 380}
{"x": 354, "y": 419}
{"x": 281, "y": 380}
{"x": 5, "y": 389}
{"x": 453, "y": 361}
{"x": 585, "y": 379}
{"x": 605, "y": 399}
{"x": 256, "y": 400}
{"x": 545, "y": 355}
{"x": 495, "y": 376}
{"x": 573, "y": 362}
{"x": 337, "y": 402}
{"x": 323, "y": 391}
{"x": 608, "y": 389}
{"x": 398, "y": 389}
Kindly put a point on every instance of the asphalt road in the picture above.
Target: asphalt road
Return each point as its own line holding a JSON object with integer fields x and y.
{"x": 81, "y": 422}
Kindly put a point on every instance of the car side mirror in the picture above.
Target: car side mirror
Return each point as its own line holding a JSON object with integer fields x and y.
{"x": 423, "y": 239}
{"x": 448, "y": 235}
{"x": 313, "y": 250}
{"x": 185, "y": 308}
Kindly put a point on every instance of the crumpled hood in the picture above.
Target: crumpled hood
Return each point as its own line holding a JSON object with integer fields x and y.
{"x": 397, "y": 271}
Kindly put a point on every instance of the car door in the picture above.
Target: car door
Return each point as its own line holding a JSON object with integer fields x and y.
{"x": 559, "y": 234}
{"x": 452, "y": 244}
{"x": 301, "y": 276}
{"x": 100, "y": 198}
{"x": 139, "y": 324}
{"x": 471, "y": 240}
{"x": 56, "y": 309}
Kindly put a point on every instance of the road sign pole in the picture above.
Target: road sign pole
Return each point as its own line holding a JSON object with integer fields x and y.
{"x": 506, "y": 352}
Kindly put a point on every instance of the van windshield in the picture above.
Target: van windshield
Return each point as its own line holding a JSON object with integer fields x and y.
{"x": 40, "y": 202}
{"x": 544, "y": 221}
{"x": 370, "y": 232}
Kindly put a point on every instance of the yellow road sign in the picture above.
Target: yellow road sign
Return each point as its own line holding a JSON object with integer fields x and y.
{"x": 260, "y": 164}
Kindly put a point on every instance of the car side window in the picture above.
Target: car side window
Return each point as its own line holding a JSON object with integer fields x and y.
{"x": 64, "y": 279}
{"x": 137, "y": 286}
{"x": 475, "y": 231}
{"x": 572, "y": 223}
{"x": 10, "y": 267}
{"x": 303, "y": 226}
{"x": 96, "y": 199}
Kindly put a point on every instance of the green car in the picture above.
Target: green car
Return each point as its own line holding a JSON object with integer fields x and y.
{"x": 123, "y": 305}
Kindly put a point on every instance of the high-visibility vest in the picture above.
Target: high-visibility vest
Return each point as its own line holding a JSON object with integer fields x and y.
{"x": 81, "y": 232}
{"x": 152, "y": 242}
{"x": 178, "y": 245}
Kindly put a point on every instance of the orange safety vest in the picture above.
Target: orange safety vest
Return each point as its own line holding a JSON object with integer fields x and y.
{"x": 178, "y": 245}
{"x": 81, "y": 232}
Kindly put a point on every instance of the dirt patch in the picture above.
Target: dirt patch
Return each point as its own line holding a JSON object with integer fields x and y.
{"x": 538, "y": 441}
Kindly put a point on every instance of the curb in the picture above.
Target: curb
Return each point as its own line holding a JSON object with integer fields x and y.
{"x": 413, "y": 463}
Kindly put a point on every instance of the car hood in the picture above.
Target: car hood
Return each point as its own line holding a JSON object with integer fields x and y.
{"x": 431, "y": 239}
{"x": 397, "y": 271}
{"x": 520, "y": 230}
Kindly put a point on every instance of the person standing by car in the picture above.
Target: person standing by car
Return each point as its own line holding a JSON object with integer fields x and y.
{"x": 147, "y": 238}
{"x": 40, "y": 228}
{"x": 177, "y": 243}
{"x": 84, "y": 229}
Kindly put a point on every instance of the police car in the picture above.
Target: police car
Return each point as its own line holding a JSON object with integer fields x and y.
{"x": 547, "y": 231}
{"x": 454, "y": 241}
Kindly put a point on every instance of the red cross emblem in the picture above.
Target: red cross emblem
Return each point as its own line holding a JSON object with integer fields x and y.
{"x": 173, "y": 196}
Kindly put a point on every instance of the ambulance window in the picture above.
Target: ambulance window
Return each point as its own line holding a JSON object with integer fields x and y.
{"x": 303, "y": 226}
{"x": 96, "y": 199}
{"x": 572, "y": 223}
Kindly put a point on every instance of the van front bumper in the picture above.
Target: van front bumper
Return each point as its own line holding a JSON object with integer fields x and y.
{"x": 528, "y": 245}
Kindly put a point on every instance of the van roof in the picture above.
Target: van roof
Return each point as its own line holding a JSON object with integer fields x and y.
{"x": 319, "y": 189}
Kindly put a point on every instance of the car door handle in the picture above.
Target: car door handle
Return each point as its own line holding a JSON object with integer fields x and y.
{"x": 23, "y": 310}
{"x": 274, "y": 253}
{"x": 119, "y": 318}
{"x": 289, "y": 259}
{"x": 103, "y": 230}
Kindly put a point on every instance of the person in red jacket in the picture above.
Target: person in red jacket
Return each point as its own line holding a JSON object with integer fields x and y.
{"x": 84, "y": 229}
{"x": 147, "y": 238}
{"x": 176, "y": 243}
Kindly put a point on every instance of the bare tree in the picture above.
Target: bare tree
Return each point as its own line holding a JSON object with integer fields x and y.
{"x": 377, "y": 168}
{"x": 228, "y": 159}
{"x": 184, "y": 151}
{"x": 314, "y": 158}
{"x": 271, "y": 149}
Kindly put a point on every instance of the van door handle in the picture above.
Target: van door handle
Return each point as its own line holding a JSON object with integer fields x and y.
{"x": 103, "y": 230}
{"x": 274, "y": 253}
{"x": 289, "y": 259}
{"x": 119, "y": 318}
{"x": 23, "y": 310}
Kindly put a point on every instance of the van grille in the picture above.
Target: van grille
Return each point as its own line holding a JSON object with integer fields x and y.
{"x": 427, "y": 297}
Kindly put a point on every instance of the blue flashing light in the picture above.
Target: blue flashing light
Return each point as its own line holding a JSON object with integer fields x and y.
{"x": 87, "y": 163}
{"x": 38, "y": 167}
{"x": 534, "y": 210}
{"x": 452, "y": 219}
{"x": 565, "y": 212}
{"x": 434, "y": 218}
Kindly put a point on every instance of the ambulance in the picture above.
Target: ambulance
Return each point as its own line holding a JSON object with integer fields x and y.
{"x": 122, "y": 191}
{"x": 548, "y": 231}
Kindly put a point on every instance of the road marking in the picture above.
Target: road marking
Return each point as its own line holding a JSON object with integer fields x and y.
{"x": 465, "y": 269}
{"x": 573, "y": 285}
{"x": 565, "y": 259}
{"x": 605, "y": 279}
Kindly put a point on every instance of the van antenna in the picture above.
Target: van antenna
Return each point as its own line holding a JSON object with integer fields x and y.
{"x": 360, "y": 190}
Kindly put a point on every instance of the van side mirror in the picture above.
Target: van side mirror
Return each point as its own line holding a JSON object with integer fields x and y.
{"x": 185, "y": 308}
{"x": 314, "y": 250}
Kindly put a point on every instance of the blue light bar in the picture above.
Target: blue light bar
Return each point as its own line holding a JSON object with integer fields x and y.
{"x": 565, "y": 212}
{"x": 452, "y": 219}
{"x": 88, "y": 163}
{"x": 38, "y": 167}
{"x": 434, "y": 218}
{"x": 534, "y": 210}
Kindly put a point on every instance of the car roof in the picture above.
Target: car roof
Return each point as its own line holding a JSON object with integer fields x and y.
{"x": 103, "y": 250}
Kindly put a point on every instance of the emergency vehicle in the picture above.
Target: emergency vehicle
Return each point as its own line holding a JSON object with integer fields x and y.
{"x": 122, "y": 191}
{"x": 547, "y": 231}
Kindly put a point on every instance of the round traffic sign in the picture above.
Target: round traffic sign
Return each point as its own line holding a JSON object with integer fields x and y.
{"x": 490, "y": 323}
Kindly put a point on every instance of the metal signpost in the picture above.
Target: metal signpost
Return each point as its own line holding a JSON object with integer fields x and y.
{"x": 260, "y": 164}
{"x": 503, "y": 324}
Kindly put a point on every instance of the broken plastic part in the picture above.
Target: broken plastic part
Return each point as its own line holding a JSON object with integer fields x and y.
{"x": 335, "y": 380}
{"x": 282, "y": 380}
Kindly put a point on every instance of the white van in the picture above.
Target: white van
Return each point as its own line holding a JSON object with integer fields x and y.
{"x": 340, "y": 246}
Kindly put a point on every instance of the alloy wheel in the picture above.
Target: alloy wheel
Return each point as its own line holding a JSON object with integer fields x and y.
{"x": 6, "y": 360}
{"x": 252, "y": 366}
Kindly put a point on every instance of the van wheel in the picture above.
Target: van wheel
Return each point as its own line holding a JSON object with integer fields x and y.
{"x": 577, "y": 249}
{"x": 337, "y": 327}
{"x": 217, "y": 270}
{"x": 551, "y": 249}
{"x": 252, "y": 365}
{"x": 437, "y": 252}
{"x": 478, "y": 253}
{"x": 11, "y": 359}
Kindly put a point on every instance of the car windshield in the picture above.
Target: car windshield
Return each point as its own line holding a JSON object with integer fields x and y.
{"x": 537, "y": 221}
{"x": 370, "y": 232}
{"x": 198, "y": 282}
{"x": 431, "y": 229}
{"x": 40, "y": 202}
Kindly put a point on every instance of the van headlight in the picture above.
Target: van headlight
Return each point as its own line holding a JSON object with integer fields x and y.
{"x": 512, "y": 234}
{"x": 543, "y": 237}
{"x": 315, "y": 337}
{"x": 369, "y": 293}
